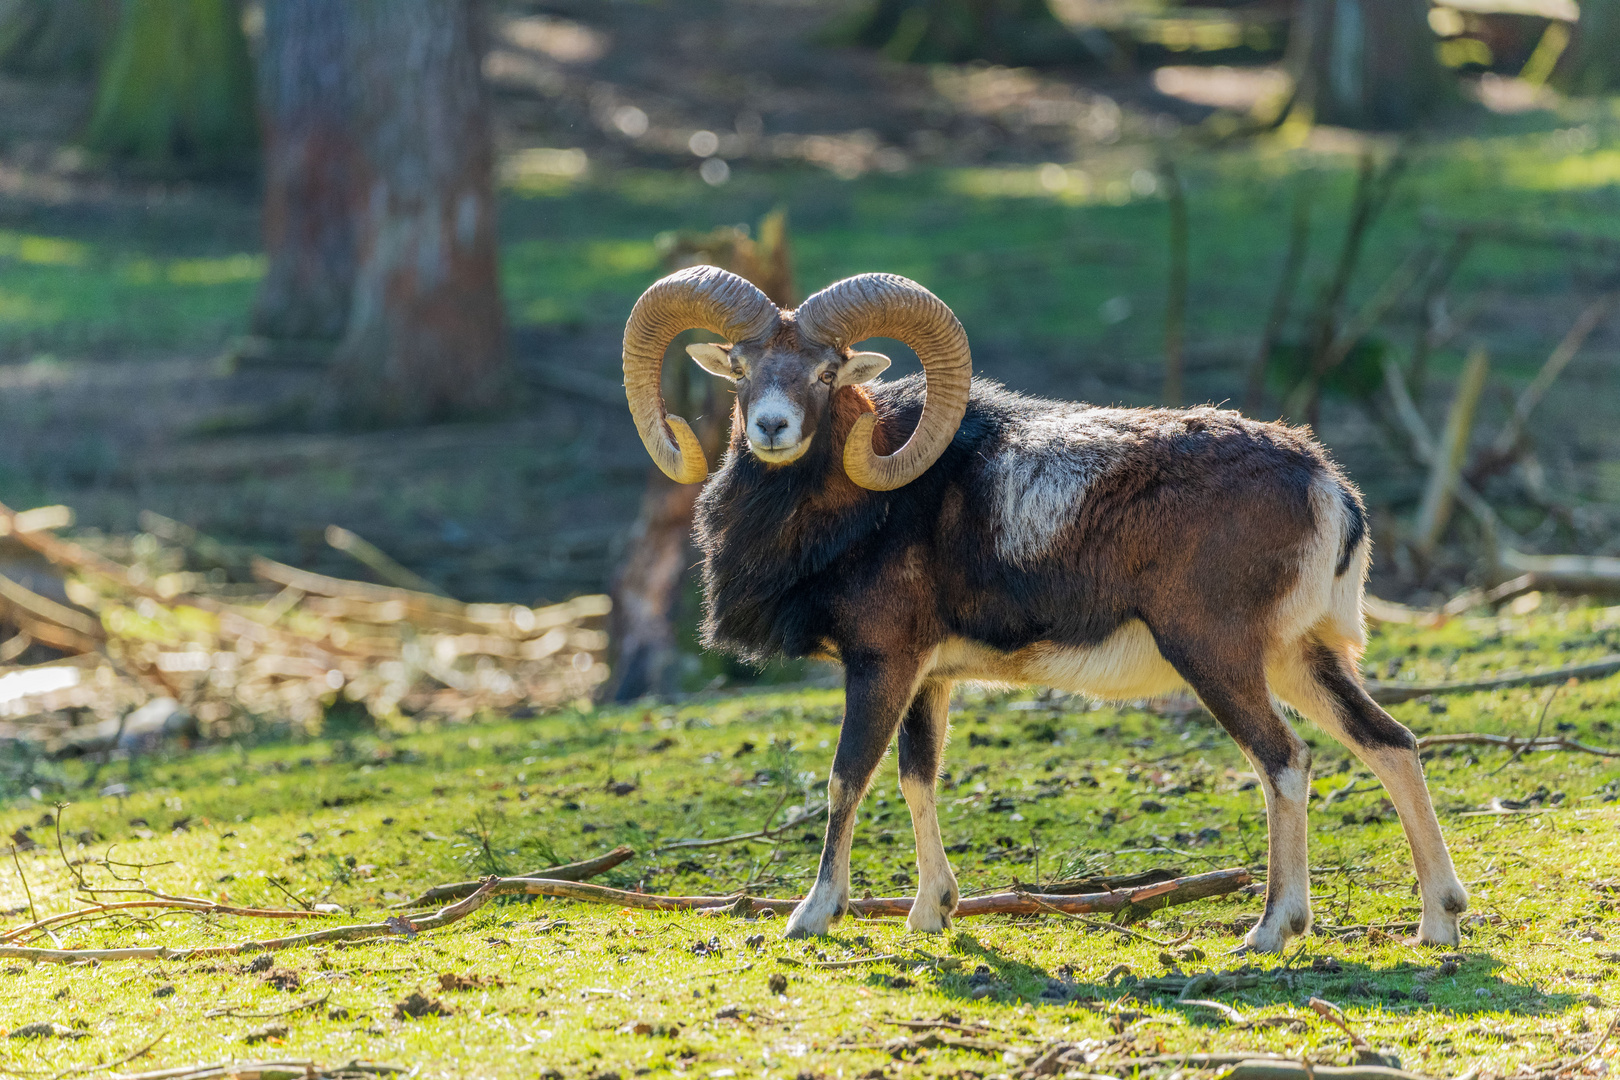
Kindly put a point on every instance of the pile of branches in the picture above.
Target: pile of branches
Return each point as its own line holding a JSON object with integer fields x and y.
{"x": 187, "y": 632}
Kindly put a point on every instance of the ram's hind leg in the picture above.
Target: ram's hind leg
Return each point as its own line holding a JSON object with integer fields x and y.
{"x": 922, "y": 748}
{"x": 1321, "y": 684}
{"x": 1229, "y": 679}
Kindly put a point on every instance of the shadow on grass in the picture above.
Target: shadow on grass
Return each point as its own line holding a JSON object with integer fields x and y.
{"x": 1457, "y": 985}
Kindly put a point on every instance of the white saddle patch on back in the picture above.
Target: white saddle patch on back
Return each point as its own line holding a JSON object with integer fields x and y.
{"x": 1046, "y": 464}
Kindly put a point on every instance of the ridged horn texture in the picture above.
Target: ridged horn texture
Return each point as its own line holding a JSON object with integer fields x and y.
{"x": 697, "y": 298}
{"x": 887, "y": 305}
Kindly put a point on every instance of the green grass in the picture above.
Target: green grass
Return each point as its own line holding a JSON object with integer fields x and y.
{"x": 1032, "y": 791}
{"x": 1028, "y": 269}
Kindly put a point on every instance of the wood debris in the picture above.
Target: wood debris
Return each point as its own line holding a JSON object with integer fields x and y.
{"x": 225, "y": 640}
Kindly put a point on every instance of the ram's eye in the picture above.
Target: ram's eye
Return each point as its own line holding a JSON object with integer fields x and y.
{"x": 828, "y": 377}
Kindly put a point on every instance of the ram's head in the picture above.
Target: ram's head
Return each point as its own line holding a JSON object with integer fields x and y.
{"x": 788, "y": 364}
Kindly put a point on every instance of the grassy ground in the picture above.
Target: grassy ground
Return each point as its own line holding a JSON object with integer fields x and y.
{"x": 1036, "y": 789}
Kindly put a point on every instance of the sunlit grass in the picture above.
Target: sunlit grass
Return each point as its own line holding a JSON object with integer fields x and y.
{"x": 1030, "y": 790}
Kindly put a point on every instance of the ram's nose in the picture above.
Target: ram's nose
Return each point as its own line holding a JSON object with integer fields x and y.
{"x": 769, "y": 427}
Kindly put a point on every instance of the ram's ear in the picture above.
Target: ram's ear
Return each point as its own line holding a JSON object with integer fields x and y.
{"x": 862, "y": 367}
{"x": 715, "y": 359}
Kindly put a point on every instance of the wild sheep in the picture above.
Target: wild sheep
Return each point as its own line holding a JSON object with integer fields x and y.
{"x": 941, "y": 529}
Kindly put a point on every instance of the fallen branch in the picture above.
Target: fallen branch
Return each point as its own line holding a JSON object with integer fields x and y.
{"x": 762, "y": 834}
{"x": 1389, "y": 693}
{"x": 1445, "y": 470}
{"x": 370, "y": 555}
{"x": 1272, "y": 1069}
{"x": 266, "y": 1070}
{"x": 1147, "y": 898}
{"x": 574, "y": 871}
{"x": 206, "y": 907}
{"x": 1518, "y": 745}
{"x": 231, "y": 1011}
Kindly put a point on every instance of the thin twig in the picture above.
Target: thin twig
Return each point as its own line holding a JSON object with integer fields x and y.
{"x": 761, "y": 834}
{"x": 29, "y": 893}
{"x": 1389, "y": 693}
{"x": 1513, "y": 742}
{"x": 1283, "y": 299}
{"x": 1518, "y": 751}
{"x": 1175, "y": 315}
{"x": 1103, "y": 924}
{"x": 1146, "y": 898}
{"x": 126, "y": 1059}
{"x": 300, "y": 1007}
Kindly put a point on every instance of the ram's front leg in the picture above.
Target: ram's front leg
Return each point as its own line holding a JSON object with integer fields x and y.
{"x": 922, "y": 747}
{"x": 877, "y": 692}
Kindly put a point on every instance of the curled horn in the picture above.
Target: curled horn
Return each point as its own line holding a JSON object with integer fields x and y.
{"x": 699, "y": 297}
{"x": 886, "y": 305}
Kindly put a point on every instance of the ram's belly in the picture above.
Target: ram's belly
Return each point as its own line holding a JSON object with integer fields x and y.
{"x": 1125, "y": 666}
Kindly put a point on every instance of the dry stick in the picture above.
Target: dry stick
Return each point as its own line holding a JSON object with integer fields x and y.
{"x": 1372, "y": 192}
{"x": 368, "y": 554}
{"x": 1435, "y": 510}
{"x": 1431, "y": 337}
{"x": 762, "y": 834}
{"x": 1147, "y": 898}
{"x": 202, "y": 906}
{"x": 1282, "y": 1069}
{"x": 1116, "y": 927}
{"x": 1175, "y": 315}
{"x": 1510, "y": 441}
{"x": 298, "y": 1008}
{"x": 260, "y": 1070}
{"x": 1499, "y": 538}
{"x": 1373, "y": 311}
{"x": 1282, "y": 300}
{"x": 1558, "y": 1068}
{"x": 1546, "y": 703}
{"x": 29, "y": 893}
{"x": 1389, "y": 693}
{"x": 1513, "y": 742}
{"x": 574, "y": 871}
{"x": 1508, "y": 232}
{"x": 126, "y": 1059}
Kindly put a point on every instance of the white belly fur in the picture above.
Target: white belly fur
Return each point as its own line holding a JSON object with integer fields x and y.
{"x": 1126, "y": 666}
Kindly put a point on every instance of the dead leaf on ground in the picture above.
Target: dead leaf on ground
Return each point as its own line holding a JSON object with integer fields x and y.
{"x": 284, "y": 979}
{"x": 450, "y": 980}
{"x": 418, "y": 1004}
{"x": 265, "y": 1034}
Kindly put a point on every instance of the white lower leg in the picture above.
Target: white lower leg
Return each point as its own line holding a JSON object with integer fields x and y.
{"x": 936, "y": 886}
{"x": 1288, "y": 878}
{"x": 1444, "y": 898}
{"x": 829, "y": 897}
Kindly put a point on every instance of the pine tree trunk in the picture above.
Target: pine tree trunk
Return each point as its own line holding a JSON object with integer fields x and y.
{"x": 308, "y": 174}
{"x": 176, "y": 91}
{"x": 426, "y": 335}
{"x": 1591, "y": 63}
{"x": 1366, "y": 63}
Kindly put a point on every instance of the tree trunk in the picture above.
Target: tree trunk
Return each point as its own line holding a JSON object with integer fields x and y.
{"x": 1591, "y": 63}
{"x": 647, "y": 588}
{"x": 50, "y": 39}
{"x": 426, "y": 334}
{"x": 647, "y": 585}
{"x": 308, "y": 174}
{"x": 1366, "y": 63}
{"x": 176, "y": 92}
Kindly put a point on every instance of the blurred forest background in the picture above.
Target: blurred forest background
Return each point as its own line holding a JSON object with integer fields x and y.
{"x": 343, "y": 284}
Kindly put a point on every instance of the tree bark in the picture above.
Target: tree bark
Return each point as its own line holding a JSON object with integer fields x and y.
{"x": 176, "y": 91}
{"x": 1366, "y": 63}
{"x": 1591, "y": 63}
{"x": 647, "y": 585}
{"x": 308, "y": 174}
{"x": 426, "y": 334}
